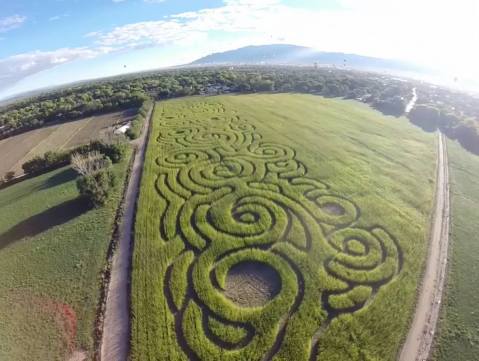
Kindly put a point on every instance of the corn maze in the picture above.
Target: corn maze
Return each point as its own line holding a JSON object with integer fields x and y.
{"x": 254, "y": 257}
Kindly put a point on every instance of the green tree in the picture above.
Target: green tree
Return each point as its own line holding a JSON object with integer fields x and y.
{"x": 97, "y": 187}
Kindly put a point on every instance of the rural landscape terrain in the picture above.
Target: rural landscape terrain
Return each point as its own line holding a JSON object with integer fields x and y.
{"x": 339, "y": 222}
{"x": 22, "y": 148}
{"x": 242, "y": 213}
{"x": 53, "y": 248}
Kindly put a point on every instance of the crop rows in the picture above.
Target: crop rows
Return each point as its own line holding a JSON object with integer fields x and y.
{"x": 224, "y": 196}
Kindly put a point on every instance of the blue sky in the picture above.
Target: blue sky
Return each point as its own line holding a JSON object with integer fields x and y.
{"x": 50, "y": 42}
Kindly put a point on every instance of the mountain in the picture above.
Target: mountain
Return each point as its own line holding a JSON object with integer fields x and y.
{"x": 283, "y": 54}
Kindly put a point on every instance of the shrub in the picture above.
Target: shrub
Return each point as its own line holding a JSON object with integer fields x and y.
{"x": 137, "y": 124}
{"x": 425, "y": 116}
{"x": 135, "y": 127}
{"x": 89, "y": 163}
{"x": 96, "y": 187}
{"x": 115, "y": 151}
{"x": 46, "y": 162}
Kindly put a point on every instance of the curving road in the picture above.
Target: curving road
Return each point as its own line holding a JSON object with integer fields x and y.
{"x": 412, "y": 102}
{"x": 421, "y": 334}
{"x": 116, "y": 326}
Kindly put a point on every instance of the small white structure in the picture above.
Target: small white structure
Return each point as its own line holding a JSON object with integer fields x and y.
{"x": 122, "y": 129}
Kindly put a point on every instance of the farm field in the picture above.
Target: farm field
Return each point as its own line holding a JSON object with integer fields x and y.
{"x": 458, "y": 337}
{"x": 279, "y": 227}
{"x": 52, "y": 250}
{"x": 21, "y": 148}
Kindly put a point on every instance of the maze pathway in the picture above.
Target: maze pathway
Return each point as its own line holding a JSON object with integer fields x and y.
{"x": 226, "y": 196}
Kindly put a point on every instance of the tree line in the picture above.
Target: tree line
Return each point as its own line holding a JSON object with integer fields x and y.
{"x": 458, "y": 113}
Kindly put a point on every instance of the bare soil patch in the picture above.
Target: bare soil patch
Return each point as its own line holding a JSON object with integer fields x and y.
{"x": 252, "y": 284}
{"x": 334, "y": 208}
{"x": 21, "y": 148}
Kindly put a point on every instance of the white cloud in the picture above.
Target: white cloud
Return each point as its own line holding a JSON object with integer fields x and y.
{"x": 438, "y": 33}
{"x": 18, "y": 67}
{"x": 233, "y": 16}
{"x": 11, "y": 22}
{"x": 434, "y": 33}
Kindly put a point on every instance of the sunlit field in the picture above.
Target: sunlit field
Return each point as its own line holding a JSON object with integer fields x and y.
{"x": 18, "y": 149}
{"x": 279, "y": 227}
{"x": 52, "y": 251}
{"x": 459, "y": 326}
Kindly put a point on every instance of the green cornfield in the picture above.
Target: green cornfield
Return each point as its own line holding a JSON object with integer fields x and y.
{"x": 327, "y": 197}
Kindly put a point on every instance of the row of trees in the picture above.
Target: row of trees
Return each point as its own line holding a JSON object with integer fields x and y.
{"x": 115, "y": 151}
{"x": 35, "y": 113}
{"x": 431, "y": 118}
{"x": 459, "y": 112}
{"x": 137, "y": 124}
{"x": 97, "y": 179}
{"x": 126, "y": 92}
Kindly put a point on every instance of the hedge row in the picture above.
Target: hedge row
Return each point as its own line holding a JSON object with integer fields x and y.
{"x": 137, "y": 124}
{"x": 52, "y": 160}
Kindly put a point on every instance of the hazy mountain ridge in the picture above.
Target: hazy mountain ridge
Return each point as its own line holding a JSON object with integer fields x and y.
{"x": 299, "y": 55}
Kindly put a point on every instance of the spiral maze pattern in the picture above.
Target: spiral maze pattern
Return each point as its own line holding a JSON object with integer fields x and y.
{"x": 230, "y": 196}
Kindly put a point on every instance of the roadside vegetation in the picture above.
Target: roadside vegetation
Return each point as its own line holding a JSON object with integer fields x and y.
{"x": 329, "y": 196}
{"x": 53, "y": 248}
{"x": 137, "y": 124}
{"x": 458, "y": 337}
{"x": 379, "y": 173}
{"x": 96, "y": 180}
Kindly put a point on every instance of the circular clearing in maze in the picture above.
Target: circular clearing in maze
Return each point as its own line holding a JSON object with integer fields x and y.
{"x": 334, "y": 208}
{"x": 252, "y": 283}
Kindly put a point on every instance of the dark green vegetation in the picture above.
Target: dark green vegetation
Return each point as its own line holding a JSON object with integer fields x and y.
{"x": 121, "y": 93}
{"x": 389, "y": 95}
{"x": 137, "y": 124}
{"x": 115, "y": 151}
{"x": 96, "y": 188}
{"x": 386, "y": 94}
{"x": 64, "y": 105}
{"x": 459, "y": 326}
{"x": 331, "y": 196}
{"x": 52, "y": 250}
{"x": 60, "y": 138}
{"x": 452, "y": 122}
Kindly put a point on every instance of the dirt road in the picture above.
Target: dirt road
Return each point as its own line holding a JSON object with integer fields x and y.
{"x": 421, "y": 334}
{"x": 116, "y": 327}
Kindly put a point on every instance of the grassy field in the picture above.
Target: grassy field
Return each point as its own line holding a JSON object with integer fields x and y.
{"x": 21, "y": 148}
{"x": 52, "y": 250}
{"x": 459, "y": 325}
{"x": 326, "y": 195}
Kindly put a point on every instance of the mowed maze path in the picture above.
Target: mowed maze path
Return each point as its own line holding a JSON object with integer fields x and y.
{"x": 322, "y": 195}
{"x": 21, "y": 148}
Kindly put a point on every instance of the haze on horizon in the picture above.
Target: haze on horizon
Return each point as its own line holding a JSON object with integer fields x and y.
{"x": 60, "y": 41}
